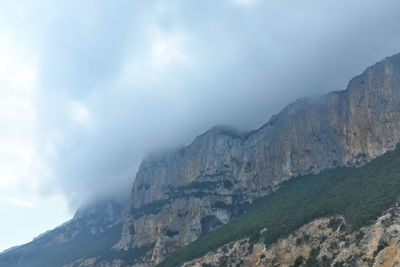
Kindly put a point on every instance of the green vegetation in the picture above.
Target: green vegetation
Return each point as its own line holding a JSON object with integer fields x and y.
{"x": 298, "y": 262}
{"x": 334, "y": 223}
{"x": 197, "y": 188}
{"x": 130, "y": 256}
{"x": 171, "y": 233}
{"x": 312, "y": 258}
{"x": 381, "y": 246}
{"x": 151, "y": 208}
{"x": 359, "y": 194}
{"x": 359, "y": 236}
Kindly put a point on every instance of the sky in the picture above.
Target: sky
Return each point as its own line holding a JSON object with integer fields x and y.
{"x": 88, "y": 88}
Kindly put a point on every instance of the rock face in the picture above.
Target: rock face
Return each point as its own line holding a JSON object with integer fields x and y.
{"x": 323, "y": 242}
{"x": 178, "y": 195}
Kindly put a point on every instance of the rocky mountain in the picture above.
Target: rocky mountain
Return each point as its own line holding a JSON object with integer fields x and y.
{"x": 196, "y": 189}
{"x": 180, "y": 195}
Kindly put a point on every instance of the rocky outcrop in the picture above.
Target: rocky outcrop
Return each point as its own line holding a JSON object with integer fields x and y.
{"x": 178, "y": 195}
{"x": 323, "y": 242}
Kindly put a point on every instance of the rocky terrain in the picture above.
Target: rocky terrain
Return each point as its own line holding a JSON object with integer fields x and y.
{"x": 179, "y": 195}
{"x": 322, "y": 242}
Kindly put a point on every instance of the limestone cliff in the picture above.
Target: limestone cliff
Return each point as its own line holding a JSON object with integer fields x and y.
{"x": 178, "y": 195}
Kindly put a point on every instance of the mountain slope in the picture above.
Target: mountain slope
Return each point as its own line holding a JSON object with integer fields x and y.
{"x": 358, "y": 194}
{"x": 321, "y": 243}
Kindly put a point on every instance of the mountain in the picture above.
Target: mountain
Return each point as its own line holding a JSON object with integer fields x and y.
{"x": 198, "y": 188}
{"x": 181, "y": 195}
{"x": 333, "y": 209}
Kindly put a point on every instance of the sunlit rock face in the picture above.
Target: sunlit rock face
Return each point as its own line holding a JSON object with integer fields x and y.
{"x": 178, "y": 195}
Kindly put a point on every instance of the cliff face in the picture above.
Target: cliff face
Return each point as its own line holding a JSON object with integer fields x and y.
{"x": 311, "y": 134}
{"x": 181, "y": 194}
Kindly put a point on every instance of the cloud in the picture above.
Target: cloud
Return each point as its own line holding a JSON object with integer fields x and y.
{"x": 18, "y": 203}
{"x": 243, "y": 2}
{"x": 80, "y": 113}
{"x": 101, "y": 84}
{"x": 18, "y": 72}
{"x": 167, "y": 50}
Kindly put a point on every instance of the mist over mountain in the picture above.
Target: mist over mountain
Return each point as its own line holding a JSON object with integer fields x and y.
{"x": 120, "y": 80}
{"x": 89, "y": 92}
{"x": 328, "y": 162}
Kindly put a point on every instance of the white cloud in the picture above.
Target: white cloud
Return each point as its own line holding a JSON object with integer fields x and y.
{"x": 24, "y": 173}
{"x": 18, "y": 73}
{"x": 18, "y": 202}
{"x": 168, "y": 49}
{"x": 54, "y": 139}
{"x": 80, "y": 113}
{"x": 17, "y": 66}
{"x": 165, "y": 52}
{"x": 243, "y": 2}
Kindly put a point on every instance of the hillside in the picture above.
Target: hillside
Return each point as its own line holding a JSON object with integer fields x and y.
{"x": 358, "y": 194}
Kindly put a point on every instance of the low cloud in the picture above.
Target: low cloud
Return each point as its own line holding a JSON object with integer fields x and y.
{"x": 18, "y": 202}
{"x": 117, "y": 80}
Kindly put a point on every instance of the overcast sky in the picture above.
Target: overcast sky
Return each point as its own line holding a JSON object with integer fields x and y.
{"x": 87, "y": 88}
